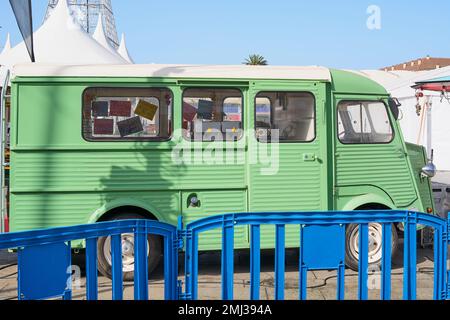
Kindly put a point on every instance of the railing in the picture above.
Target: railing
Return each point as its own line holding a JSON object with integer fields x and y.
{"x": 322, "y": 247}
{"x": 44, "y": 259}
{"x": 45, "y": 256}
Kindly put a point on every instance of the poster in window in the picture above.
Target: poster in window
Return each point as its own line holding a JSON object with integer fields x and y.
{"x": 130, "y": 126}
{"x": 205, "y": 109}
{"x": 120, "y": 108}
{"x": 146, "y": 110}
{"x": 100, "y": 109}
{"x": 189, "y": 112}
{"x": 103, "y": 126}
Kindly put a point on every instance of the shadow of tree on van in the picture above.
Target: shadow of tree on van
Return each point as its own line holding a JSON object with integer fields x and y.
{"x": 143, "y": 181}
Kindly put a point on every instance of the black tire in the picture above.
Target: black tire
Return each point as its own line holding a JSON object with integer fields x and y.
{"x": 352, "y": 260}
{"x": 155, "y": 249}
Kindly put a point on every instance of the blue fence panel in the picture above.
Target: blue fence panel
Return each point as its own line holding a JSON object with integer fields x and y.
{"x": 45, "y": 255}
{"x": 322, "y": 247}
{"x": 42, "y": 271}
{"x": 45, "y": 258}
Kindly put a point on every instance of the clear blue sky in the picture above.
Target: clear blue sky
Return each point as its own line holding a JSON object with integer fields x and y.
{"x": 286, "y": 32}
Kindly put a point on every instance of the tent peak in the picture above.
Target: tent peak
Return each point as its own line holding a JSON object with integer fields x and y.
{"x": 100, "y": 36}
{"x": 60, "y": 15}
{"x": 123, "y": 50}
{"x": 7, "y": 46}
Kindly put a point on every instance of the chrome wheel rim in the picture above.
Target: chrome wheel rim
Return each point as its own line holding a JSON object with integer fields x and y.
{"x": 375, "y": 243}
{"x": 127, "y": 252}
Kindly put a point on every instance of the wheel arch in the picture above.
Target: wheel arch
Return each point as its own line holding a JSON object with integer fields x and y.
{"x": 119, "y": 206}
{"x": 371, "y": 196}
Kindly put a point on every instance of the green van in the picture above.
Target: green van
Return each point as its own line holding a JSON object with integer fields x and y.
{"x": 100, "y": 143}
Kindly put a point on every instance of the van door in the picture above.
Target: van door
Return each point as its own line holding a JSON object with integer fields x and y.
{"x": 371, "y": 158}
{"x": 287, "y": 154}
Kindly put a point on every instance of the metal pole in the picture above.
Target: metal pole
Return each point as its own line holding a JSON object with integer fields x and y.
{"x": 2, "y": 151}
{"x": 429, "y": 105}
{"x": 87, "y": 16}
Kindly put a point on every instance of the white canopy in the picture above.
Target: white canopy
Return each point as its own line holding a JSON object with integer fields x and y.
{"x": 62, "y": 40}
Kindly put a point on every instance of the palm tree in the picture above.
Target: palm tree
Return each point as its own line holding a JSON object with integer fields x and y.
{"x": 255, "y": 60}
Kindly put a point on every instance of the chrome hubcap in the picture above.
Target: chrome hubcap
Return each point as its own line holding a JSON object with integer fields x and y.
{"x": 375, "y": 243}
{"x": 127, "y": 252}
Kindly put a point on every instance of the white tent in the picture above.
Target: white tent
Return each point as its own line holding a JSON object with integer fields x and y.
{"x": 123, "y": 50}
{"x": 61, "y": 40}
{"x": 399, "y": 84}
{"x": 6, "y": 47}
{"x": 5, "y": 50}
{"x": 100, "y": 36}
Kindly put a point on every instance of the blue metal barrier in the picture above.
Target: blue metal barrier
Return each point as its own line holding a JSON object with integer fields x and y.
{"x": 322, "y": 247}
{"x": 44, "y": 259}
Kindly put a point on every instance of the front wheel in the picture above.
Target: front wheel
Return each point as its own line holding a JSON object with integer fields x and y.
{"x": 375, "y": 245}
{"x": 154, "y": 247}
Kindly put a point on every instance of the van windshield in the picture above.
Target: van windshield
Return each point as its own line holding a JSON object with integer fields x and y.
{"x": 364, "y": 122}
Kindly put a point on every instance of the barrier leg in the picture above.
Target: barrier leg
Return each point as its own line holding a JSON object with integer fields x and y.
{"x": 363, "y": 262}
{"x": 280, "y": 261}
{"x": 91, "y": 270}
{"x": 140, "y": 265}
{"x": 386, "y": 263}
{"x": 228, "y": 260}
{"x": 117, "y": 269}
{"x": 255, "y": 263}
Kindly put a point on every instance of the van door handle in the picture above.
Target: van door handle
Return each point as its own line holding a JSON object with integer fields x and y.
{"x": 309, "y": 157}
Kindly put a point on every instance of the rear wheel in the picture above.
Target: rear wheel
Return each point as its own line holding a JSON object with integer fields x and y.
{"x": 375, "y": 245}
{"x": 154, "y": 245}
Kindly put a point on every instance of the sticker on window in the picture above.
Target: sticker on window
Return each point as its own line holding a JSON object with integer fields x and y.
{"x": 120, "y": 108}
{"x": 103, "y": 126}
{"x": 100, "y": 109}
{"x": 205, "y": 109}
{"x": 146, "y": 110}
{"x": 189, "y": 112}
{"x": 130, "y": 126}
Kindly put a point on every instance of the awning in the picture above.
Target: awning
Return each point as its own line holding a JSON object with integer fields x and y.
{"x": 438, "y": 84}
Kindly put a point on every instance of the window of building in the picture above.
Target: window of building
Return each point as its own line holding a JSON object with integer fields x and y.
{"x": 212, "y": 114}
{"x": 290, "y": 116}
{"x": 127, "y": 114}
{"x": 364, "y": 122}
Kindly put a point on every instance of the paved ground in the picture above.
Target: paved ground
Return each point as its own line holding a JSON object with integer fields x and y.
{"x": 321, "y": 285}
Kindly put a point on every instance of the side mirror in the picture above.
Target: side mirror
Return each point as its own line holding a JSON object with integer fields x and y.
{"x": 429, "y": 171}
{"x": 394, "y": 105}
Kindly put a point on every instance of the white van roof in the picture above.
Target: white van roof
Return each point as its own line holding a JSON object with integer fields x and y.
{"x": 175, "y": 71}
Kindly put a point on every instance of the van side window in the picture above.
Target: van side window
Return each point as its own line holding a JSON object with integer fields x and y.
{"x": 287, "y": 115}
{"x": 127, "y": 114}
{"x": 212, "y": 114}
{"x": 364, "y": 122}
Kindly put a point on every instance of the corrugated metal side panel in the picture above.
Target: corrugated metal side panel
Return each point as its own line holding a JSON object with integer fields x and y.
{"x": 296, "y": 187}
{"x": 215, "y": 203}
{"x": 57, "y": 171}
{"x": 383, "y": 166}
{"x": 418, "y": 161}
{"x": 48, "y": 210}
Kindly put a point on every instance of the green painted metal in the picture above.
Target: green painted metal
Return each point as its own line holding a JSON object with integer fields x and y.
{"x": 59, "y": 179}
